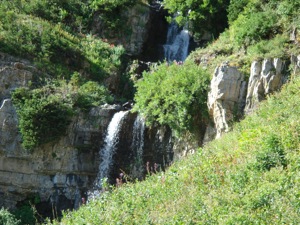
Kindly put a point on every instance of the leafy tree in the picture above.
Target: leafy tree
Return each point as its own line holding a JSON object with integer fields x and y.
{"x": 202, "y": 15}
{"x": 235, "y": 8}
{"x": 173, "y": 95}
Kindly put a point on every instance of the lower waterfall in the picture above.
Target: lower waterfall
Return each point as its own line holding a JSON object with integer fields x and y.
{"x": 110, "y": 142}
{"x": 137, "y": 145}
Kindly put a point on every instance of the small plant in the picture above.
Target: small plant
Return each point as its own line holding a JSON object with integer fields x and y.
{"x": 6, "y": 218}
{"x": 272, "y": 154}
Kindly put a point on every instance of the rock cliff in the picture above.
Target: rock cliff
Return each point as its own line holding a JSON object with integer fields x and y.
{"x": 231, "y": 97}
{"x": 226, "y": 97}
{"x": 59, "y": 173}
{"x": 266, "y": 77}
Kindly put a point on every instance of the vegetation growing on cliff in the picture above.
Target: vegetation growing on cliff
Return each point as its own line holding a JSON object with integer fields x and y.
{"x": 249, "y": 176}
{"x": 56, "y": 36}
{"x": 174, "y": 95}
{"x": 6, "y": 218}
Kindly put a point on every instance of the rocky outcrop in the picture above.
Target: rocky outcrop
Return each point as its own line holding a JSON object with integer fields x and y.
{"x": 226, "y": 97}
{"x": 230, "y": 98}
{"x": 295, "y": 62}
{"x": 265, "y": 77}
{"x": 10, "y": 141}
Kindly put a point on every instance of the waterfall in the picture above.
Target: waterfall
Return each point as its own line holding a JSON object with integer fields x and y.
{"x": 138, "y": 145}
{"x": 177, "y": 44}
{"x": 110, "y": 142}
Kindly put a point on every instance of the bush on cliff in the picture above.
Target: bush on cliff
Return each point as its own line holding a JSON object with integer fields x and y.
{"x": 174, "y": 95}
{"x": 43, "y": 117}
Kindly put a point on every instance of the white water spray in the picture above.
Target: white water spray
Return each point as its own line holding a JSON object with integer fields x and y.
{"x": 107, "y": 152}
{"x": 177, "y": 44}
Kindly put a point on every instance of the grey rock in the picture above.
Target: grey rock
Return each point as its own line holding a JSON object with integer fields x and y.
{"x": 265, "y": 77}
{"x": 225, "y": 99}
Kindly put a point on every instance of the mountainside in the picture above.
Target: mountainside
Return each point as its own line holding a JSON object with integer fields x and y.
{"x": 67, "y": 67}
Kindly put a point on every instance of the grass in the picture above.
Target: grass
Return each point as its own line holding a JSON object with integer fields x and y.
{"x": 249, "y": 176}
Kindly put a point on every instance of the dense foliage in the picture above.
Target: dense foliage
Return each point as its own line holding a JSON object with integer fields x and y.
{"x": 174, "y": 95}
{"x": 258, "y": 20}
{"x": 56, "y": 37}
{"x": 43, "y": 117}
{"x": 258, "y": 29}
{"x": 249, "y": 176}
{"x": 44, "y": 113}
{"x": 55, "y": 50}
{"x": 201, "y": 15}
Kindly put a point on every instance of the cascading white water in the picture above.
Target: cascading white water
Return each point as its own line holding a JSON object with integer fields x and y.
{"x": 110, "y": 142}
{"x": 138, "y": 144}
{"x": 106, "y": 153}
{"x": 177, "y": 44}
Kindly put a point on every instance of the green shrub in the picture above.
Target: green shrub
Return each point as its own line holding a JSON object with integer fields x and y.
{"x": 265, "y": 48}
{"x": 92, "y": 94}
{"x": 6, "y": 218}
{"x": 174, "y": 95}
{"x": 271, "y": 155}
{"x": 249, "y": 28}
{"x": 25, "y": 214}
{"x": 235, "y": 8}
{"x": 43, "y": 117}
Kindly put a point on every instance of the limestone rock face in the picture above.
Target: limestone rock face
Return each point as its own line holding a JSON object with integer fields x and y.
{"x": 10, "y": 140}
{"x": 132, "y": 34}
{"x": 265, "y": 77}
{"x": 14, "y": 73}
{"x": 61, "y": 172}
{"x": 295, "y": 61}
{"x": 138, "y": 18}
{"x": 225, "y": 99}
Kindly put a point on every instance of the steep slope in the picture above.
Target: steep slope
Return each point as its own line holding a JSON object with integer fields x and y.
{"x": 249, "y": 176}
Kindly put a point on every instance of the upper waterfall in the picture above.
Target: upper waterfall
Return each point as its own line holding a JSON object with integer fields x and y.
{"x": 177, "y": 45}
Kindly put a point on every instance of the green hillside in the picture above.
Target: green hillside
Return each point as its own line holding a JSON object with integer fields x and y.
{"x": 249, "y": 176}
